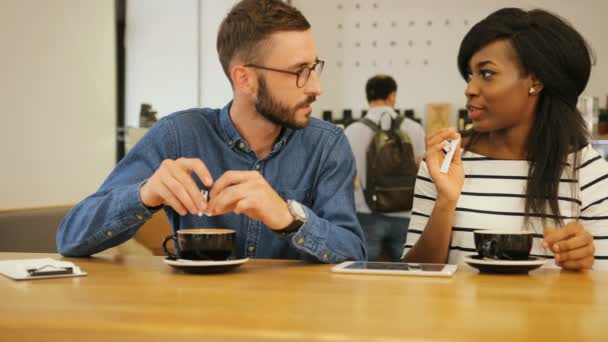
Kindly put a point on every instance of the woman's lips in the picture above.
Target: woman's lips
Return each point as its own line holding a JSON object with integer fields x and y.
{"x": 474, "y": 112}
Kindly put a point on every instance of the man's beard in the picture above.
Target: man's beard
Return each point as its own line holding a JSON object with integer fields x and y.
{"x": 277, "y": 113}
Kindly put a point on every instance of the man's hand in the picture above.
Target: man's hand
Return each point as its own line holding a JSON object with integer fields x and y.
{"x": 248, "y": 193}
{"x": 172, "y": 184}
{"x": 572, "y": 245}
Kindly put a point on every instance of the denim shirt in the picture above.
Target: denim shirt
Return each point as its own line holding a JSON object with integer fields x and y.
{"x": 313, "y": 166}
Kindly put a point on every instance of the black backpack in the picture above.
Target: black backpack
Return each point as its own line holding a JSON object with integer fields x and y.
{"x": 391, "y": 168}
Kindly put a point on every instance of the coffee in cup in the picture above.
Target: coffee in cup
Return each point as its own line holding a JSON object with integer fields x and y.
{"x": 503, "y": 245}
{"x": 202, "y": 244}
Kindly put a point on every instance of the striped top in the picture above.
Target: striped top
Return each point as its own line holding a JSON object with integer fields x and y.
{"x": 493, "y": 197}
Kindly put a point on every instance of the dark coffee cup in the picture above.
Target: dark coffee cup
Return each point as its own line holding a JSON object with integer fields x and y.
{"x": 202, "y": 244}
{"x": 503, "y": 245}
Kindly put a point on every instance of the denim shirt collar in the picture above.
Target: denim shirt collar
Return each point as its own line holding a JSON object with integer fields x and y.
{"x": 232, "y": 136}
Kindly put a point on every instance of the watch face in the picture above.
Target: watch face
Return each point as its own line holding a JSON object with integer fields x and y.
{"x": 298, "y": 209}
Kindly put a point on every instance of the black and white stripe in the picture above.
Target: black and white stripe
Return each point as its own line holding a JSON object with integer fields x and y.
{"x": 493, "y": 197}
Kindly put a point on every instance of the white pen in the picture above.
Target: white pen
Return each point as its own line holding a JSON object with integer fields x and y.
{"x": 450, "y": 149}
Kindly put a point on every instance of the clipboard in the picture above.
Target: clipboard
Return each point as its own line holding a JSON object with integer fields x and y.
{"x": 30, "y": 269}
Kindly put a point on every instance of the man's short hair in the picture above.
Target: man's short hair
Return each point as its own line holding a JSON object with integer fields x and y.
{"x": 249, "y": 23}
{"x": 380, "y": 87}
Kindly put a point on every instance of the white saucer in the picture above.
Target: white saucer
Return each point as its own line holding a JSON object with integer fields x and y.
{"x": 504, "y": 266}
{"x": 204, "y": 266}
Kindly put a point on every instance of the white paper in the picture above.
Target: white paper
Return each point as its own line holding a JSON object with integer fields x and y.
{"x": 206, "y": 196}
{"x": 17, "y": 269}
{"x": 450, "y": 149}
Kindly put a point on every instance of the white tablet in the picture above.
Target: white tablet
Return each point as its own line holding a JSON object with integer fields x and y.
{"x": 396, "y": 268}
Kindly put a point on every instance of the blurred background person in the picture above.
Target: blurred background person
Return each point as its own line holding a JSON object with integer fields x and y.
{"x": 384, "y": 217}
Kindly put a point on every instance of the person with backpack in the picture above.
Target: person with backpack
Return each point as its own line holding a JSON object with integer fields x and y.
{"x": 388, "y": 149}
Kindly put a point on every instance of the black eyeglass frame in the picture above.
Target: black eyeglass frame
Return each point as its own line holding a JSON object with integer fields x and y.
{"x": 304, "y": 71}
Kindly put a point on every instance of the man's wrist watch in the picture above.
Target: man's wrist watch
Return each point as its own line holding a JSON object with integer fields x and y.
{"x": 299, "y": 218}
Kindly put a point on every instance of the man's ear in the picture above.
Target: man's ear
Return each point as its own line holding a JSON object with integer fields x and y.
{"x": 392, "y": 98}
{"x": 243, "y": 80}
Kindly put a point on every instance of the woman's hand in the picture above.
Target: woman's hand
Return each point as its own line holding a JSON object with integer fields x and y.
{"x": 449, "y": 185}
{"x": 572, "y": 246}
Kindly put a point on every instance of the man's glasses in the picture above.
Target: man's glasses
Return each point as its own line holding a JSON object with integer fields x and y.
{"x": 302, "y": 76}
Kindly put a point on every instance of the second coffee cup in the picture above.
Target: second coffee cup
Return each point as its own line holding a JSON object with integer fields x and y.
{"x": 202, "y": 244}
{"x": 503, "y": 245}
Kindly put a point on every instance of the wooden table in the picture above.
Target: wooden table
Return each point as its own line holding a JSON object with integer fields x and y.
{"x": 142, "y": 299}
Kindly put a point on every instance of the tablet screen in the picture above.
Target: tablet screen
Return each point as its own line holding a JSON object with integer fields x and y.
{"x": 396, "y": 266}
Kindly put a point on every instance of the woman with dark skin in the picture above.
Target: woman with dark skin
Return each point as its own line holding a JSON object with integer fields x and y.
{"x": 527, "y": 162}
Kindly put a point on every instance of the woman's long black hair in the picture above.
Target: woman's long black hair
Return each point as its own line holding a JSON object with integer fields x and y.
{"x": 549, "y": 48}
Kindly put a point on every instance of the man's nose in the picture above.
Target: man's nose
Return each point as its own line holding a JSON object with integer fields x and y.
{"x": 313, "y": 86}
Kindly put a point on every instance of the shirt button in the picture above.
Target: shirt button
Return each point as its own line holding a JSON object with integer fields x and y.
{"x": 257, "y": 166}
{"x": 229, "y": 142}
{"x": 109, "y": 234}
{"x": 251, "y": 248}
{"x": 325, "y": 256}
{"x": 300, "y": 241}
{"x": 140, "y": 217}
{"x": 241, "y": 145}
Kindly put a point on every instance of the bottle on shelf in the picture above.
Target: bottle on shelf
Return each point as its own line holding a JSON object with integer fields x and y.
{"x": 147, "y": 115}
{"x": 464, "y": 123}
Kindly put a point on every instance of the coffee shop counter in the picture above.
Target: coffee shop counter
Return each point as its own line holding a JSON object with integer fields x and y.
{"x": 143, "y": 299}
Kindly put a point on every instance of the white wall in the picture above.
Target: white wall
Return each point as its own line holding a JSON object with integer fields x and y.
{"x": 343, "y": 82}
{"x": 215, "y": 90}
{"x": 172, "y": 60}
{"x": 162, "y": 63}
{"x": 425, "y": 70}
{"x": 58, "y": 96}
